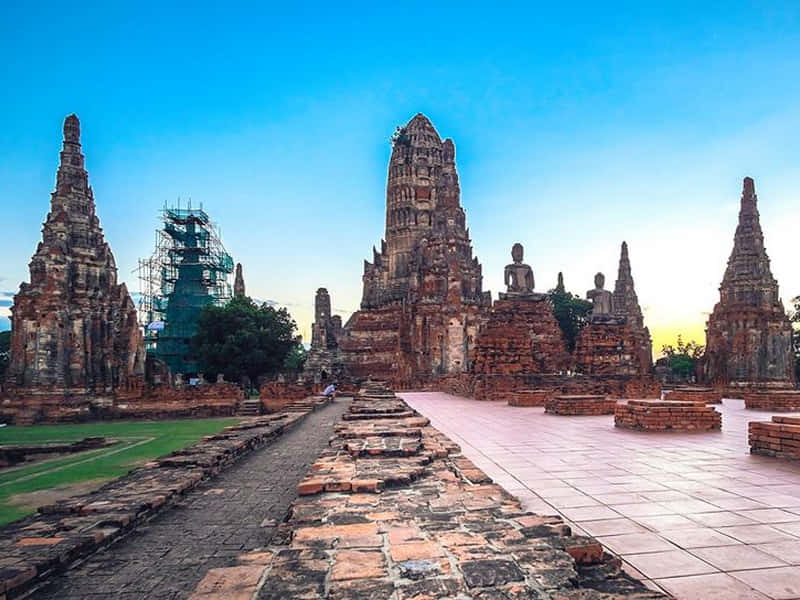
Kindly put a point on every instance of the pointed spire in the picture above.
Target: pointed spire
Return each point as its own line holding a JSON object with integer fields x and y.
{"x": 560, "y": 284}
{"x": 238, "y": 283}
{"x": 626, "y": 304}
{"x": 748, "y": 277}
{"x": 71, "y": 170}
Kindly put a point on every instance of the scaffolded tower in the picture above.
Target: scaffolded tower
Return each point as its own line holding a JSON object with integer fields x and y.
{"x": 188, "y": 270}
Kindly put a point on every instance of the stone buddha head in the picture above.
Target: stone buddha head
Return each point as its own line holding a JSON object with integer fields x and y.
{"x": 517, "y": 253}
{"x": 599, "y": 281}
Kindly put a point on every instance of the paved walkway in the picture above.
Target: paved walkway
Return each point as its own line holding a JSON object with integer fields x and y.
{"x": 694, "y": 513}
{"x": 219, "y": 520}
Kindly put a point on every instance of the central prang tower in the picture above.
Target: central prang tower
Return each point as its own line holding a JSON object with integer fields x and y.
{"x": 422, "y": 299}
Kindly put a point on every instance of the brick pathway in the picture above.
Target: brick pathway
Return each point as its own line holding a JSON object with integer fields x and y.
{"x": 219, "y": 520}
{"x": 694, "y": 513}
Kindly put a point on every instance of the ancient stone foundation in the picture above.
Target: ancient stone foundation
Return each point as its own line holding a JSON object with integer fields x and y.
{"x": 700, "y": 395}
{"x": 773, "y": 400}
{"x": 393, "y": 511}
{"x": 779, "y": 438}
{"x": 613, "y": 349}
{"x": 520, "y": 336}
{"x": 666, "y": 415}
{"x": 749, "y": 336}
{"x": 275, "y": 395}
{"x": 529, "y": 397}
{"x": 422, "y": 301}
{"x": 36, "y": 547}
{"x": 503, "y": 387}
{"x": 161, "y": 402}
{"x": 581, "y": 405}
{"x": 74, "y": 328}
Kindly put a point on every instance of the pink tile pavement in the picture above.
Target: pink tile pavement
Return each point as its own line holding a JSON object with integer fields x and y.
{"x": 694, "y": 513}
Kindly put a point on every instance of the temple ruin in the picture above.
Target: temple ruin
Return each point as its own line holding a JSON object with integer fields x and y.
{"x": 749, "y": 336}
{"x": 423, "y": 300}
{"x": 74, "y": 328}
{"x": 324, "y": 362}
{"x": 615, "y": 341}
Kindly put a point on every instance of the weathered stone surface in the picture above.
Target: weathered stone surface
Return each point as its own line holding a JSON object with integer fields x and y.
{"x": 503, "y": 387}
{"x": 160, "y": 402}
{"x": 529, "y": 397}
{"x": 779, "y": 438}
{"x": 422, "y": 302}
{"x": 448, "y": 533}
{"x": 324, "y": 361}
{"x": 749, "y": 336}
{"x": 701, "y": 395}
{"x": 580, "y": 405}
{"x": 44, "y": 544}
{"x": 616, "y": 342}
{"x": 667, "y": 415}
{"x": 773, "y": 400}
{"x": 521, "y": 335}
{"x": 74, "y": 328}
{"x": 238, "y": 282}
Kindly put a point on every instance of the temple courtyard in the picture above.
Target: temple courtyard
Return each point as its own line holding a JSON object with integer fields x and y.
{"x": 693, "y": 514}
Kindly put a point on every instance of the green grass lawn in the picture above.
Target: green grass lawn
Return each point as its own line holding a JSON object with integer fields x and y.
{"x": 138, "y": 442}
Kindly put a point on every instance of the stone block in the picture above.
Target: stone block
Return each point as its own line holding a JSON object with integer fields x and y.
{"x": 667, "y": 415}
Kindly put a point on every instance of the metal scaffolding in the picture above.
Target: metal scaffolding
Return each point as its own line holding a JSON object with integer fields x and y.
{"x": 188, "y": 270}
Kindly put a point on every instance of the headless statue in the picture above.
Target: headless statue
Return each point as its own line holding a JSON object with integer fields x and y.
{"x": 518, "y": 276}
{"x": 602, "y": 301}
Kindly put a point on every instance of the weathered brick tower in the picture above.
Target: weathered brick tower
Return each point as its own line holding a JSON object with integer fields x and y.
{"x": 422, "y": 300}
{"x": 74, "y": 328}
{"x": 749, "y": 336}
{"x": 323, "y": 362}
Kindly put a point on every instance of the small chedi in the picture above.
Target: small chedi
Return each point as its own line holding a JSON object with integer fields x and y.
{"x": 238, "y": 283}
{"x": 521, "y": 335}
{"x": 748, "y": 335}
{"x": 74, "y": 328}
{"x": 422, "y": 301}
{"x": 323, "y": 362}
{"x": 615, "y": 341}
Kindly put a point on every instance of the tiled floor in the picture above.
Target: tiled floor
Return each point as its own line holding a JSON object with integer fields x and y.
{"x": 693, "y": 513}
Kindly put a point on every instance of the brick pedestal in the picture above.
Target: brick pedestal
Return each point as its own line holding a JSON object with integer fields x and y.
{"x": 774, "y": 400}
{"x": 699, "y": 395}
{"x": 529, "y": 397}
{"x": 667, "y": 415}
{"x": 779, "y": 438}
{"x": 521, "y": 336}
{"x": 580, "y": 405}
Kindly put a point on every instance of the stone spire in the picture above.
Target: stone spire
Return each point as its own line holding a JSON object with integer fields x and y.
{"x": 749, "y": 336}
{"x": 626, "y": 304}
{"x": 238, "y": 282}
{"x": 423, "y": 197}
{"x": 73, "y": 328}
{"x": 748, "y": 278}
{"x": 560, "y": 285}
{"x": 422, "y": 299}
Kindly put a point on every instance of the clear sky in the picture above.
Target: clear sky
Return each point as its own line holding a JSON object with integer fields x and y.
{"x": 576, "y": 126}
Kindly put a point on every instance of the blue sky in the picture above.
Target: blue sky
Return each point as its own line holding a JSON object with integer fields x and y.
{"x": 575, "y": 127}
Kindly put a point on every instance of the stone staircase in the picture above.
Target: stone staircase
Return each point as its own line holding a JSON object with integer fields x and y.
{"x": 250, "y": 408}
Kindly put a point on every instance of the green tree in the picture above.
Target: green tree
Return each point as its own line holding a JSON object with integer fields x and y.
{"x": 571, "y": 312}
{"x": 795, "y": 317}
{"x": 5, "y": 356}
{"x": 243, "y": 338}
{"x": 296, "y": 359}
{"x": 683, "y": 357}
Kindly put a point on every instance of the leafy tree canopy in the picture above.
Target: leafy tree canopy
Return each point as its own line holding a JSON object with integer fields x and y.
{"x": 5, "y": 357}
{"x": 683, "y": 357}
{"x": 795, "y": 317}
{"x": 571, "y": 312}
{"x": 296, "y": 359}
{"x": 243, "y": 338}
